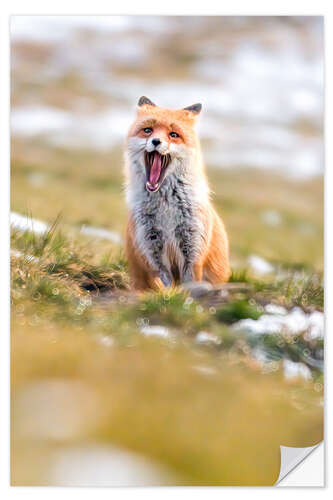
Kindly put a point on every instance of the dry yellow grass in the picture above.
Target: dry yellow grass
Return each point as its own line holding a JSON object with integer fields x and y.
{"x": 221, "y": 424}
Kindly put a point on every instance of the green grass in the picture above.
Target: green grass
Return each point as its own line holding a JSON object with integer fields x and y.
{"x": 237, "y": 310}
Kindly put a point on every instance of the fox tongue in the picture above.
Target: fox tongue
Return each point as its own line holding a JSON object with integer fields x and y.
{"x": 155, "y": 170}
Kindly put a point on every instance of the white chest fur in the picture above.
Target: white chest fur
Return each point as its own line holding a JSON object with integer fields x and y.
{"x": 168, "y": 223}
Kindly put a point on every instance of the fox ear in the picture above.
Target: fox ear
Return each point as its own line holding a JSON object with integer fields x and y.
{"x": 195, "y": 108}
{"x": 144, "y": 100}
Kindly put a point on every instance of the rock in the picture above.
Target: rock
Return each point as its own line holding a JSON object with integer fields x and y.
{"x": 198, "y": 289}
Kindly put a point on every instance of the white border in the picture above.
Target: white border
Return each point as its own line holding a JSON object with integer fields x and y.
{"x": 172, "y": 7}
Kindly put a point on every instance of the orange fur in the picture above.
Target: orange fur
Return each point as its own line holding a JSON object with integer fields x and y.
{"x": 216, "y": 265}
{"x": 166, "y": 120}
{"x": 142, "y": 276}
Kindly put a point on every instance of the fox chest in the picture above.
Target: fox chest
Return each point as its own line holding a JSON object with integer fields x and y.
{"x": 164, "y": 220}
{"x": 168, "y": 228}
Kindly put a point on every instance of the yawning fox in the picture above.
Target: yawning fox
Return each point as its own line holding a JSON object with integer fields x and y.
{"x": 174, "y": 235}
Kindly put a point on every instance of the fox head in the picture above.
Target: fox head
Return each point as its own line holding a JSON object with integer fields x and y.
{"x": 160, "y": 141}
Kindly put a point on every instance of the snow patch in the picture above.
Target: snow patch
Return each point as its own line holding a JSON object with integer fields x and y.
{"x": 95, "y": 465}
{"x": 155, "y": 330}
{"x": 24, "y": 223}
{"x": 290, "y": 368}
{"x": 260, "y": 265}
{"x": 55, "y": 29}
{"x": 29, "y": 258}
{"x": 207, "y": 337}
{"x": 294, "y": 370}
{"x": 34, "y": 120}
{"x": 102, "y": 233}
{"x": 275, "y": 309}
{"x": 294, "y": 322}
{"x": 100, "y": 131}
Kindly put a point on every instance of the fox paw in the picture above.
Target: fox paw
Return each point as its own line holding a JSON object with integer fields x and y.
{"x": 166, "y": 278}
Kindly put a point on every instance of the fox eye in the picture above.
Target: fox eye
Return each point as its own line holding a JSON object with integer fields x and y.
{"x": 147, "y": 130}
{"x": 174, "y": 134}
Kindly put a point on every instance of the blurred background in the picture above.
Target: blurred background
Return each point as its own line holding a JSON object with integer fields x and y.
{"x": 75, "y": 82}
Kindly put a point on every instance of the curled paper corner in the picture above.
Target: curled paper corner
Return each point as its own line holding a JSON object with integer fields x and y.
{"x": 291, "y": 457}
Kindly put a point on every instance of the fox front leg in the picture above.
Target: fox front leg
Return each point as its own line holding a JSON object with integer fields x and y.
{"x": 154, "y": 237}
{"x": 188, "y": 273}
{"x": 186, "y": 237}
{"x": 165, "y": 277}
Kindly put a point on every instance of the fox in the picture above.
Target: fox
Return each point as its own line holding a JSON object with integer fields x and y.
{"x": 174, "y": 234}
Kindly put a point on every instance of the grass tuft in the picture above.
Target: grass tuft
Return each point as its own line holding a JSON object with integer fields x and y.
{"x": 237, "y": 310}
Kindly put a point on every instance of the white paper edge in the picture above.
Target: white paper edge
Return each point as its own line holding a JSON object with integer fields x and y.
{"x": 291, "y": 457}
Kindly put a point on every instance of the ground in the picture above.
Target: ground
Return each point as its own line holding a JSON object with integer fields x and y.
{"x": 175, "y": 376}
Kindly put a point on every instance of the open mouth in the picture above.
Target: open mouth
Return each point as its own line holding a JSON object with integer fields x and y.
{"x": 156, "y": 166}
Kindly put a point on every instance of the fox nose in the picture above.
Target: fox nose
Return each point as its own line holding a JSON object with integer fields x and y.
{"x": 156, "y": 142}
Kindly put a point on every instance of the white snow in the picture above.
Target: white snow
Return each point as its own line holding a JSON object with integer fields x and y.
{"x": 24, "y": 223}
{"x": 275, "y": 309}
{"x": 103, "y": 465}
{"x": 102, "y": 233}
{"x": 260, "y": 355}
{"x": 72, "y": 130}
{"x": 291, "y": 369}
{"x": 294, "y": 322}
{"x": 54, "y": 29}
{"x": 35, "y": 120}
{"x": 206, "y": 337}
{"x": 260, "y": 265}
{"x": 29, "y": 258}
{"x": 316, "y": 322}
{"x": 155, "y": 330}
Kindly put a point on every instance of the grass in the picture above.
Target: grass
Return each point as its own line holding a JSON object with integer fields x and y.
{"x": 237, "y": 310}
{"x": 188, "y": 406}
{"x": 56, "y": 256}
